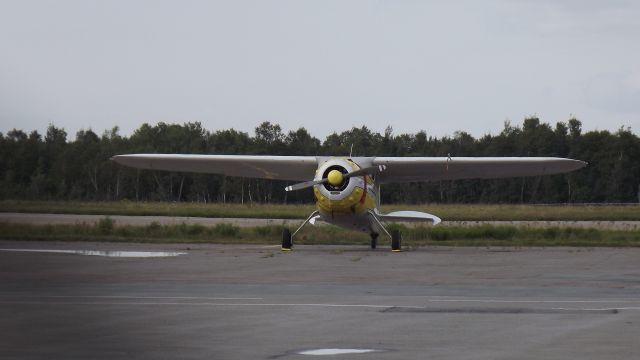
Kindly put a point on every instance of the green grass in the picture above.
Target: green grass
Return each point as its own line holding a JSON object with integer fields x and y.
{"x": 214, "y": 210}
{"x": 482, "y": 235}
{"x": 455, "y": 212}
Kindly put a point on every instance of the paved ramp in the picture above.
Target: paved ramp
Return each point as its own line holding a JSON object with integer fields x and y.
{"x": 255, "y": 302}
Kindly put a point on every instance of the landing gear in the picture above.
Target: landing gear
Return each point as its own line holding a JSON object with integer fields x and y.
{"x": 394, "y": 235}
{"x": 395, "y": 240}
{"x": 374, "y": 240}
{"x": 286, "y": 240}
{"x": 287, "y": 236}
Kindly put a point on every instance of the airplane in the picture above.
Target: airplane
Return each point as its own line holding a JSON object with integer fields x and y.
{"x": 347, "y": 189}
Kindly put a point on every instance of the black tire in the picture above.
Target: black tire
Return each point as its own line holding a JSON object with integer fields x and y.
{"x": 395, "y": 240}
{"x": 374, "y": 240}
{"x": 286, "y": 240}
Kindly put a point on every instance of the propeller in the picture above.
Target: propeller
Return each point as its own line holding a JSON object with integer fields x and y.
{"x": 335, "y": 177}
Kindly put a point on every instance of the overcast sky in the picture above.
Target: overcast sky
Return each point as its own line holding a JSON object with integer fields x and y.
{"x": 440, "y": 66}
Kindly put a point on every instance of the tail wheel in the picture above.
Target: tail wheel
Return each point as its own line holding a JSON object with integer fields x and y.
{"x": 395, "y": 240}
{"x": 286, "y": 240}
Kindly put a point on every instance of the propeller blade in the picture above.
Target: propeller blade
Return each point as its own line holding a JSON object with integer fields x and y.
{"x": 304, "y": 185}
{"x": 371, "y": 170}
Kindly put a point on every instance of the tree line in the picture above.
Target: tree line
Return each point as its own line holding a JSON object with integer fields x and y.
{"x": 52, "y": 167}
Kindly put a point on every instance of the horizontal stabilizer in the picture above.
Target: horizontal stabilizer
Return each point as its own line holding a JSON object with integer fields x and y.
{"x": 313, "y": 220}
{"x": 409, "y": 216}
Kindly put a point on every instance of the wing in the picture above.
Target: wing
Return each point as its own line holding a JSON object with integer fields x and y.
{"x": 252, "y": 166}
{"x": 405, "y": 169}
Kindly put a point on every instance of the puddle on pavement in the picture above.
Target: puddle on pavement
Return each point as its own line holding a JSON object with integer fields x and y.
{"x": 108, "y": 253}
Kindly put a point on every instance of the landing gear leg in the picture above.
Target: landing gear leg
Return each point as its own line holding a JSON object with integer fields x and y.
{"x": 374, "y": 240}
{"x": 394, "y": 235}
{"x": 287, "y": 236}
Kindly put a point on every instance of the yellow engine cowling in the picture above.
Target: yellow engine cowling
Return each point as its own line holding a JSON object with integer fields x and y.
{"x": 340, "y": 195}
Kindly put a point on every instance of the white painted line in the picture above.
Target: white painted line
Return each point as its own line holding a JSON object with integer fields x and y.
{"x": 271, "y": 305}
{"x": 434, "y": 300}
{"x": 506, "y": 301}
{"x": 208, "y": 304}
{"x": 108, "y": 253}
{"x": 336, "y": 351}
{"x": 598, "y": 309}
{"x": 130, "y": 297}
{"x": 127, "y": 297}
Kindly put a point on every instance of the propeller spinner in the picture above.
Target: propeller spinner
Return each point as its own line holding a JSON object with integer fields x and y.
{"x": 335, "y": 178}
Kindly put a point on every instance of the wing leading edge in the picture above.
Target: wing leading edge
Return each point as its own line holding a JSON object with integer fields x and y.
{"x": 297, "y": 168}
{"x": 407, "y": 169}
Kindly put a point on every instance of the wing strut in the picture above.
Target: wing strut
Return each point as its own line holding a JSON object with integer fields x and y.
{"x": 375, "y": 218}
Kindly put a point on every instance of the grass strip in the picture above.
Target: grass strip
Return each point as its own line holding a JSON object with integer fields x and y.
{"x": 482, "y": 235}
{"x": 451, "y": 212}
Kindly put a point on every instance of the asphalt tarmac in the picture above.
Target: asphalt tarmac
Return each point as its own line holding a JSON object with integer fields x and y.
{"x": 255, "y": 302}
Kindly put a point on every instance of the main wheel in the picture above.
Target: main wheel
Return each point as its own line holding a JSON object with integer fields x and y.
{"x": 286, "y": 240}
{"x": 395, "y": 240}
{"x": 374, "y": 240}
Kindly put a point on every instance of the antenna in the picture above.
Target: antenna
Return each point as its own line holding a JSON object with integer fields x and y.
{"x": 351, "y": 151}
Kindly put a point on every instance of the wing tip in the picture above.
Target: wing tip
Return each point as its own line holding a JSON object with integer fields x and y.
{"x": 577, "y": 164}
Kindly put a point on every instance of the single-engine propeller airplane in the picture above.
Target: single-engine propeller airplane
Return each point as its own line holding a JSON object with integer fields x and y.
{"x": 347, "y": 189}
